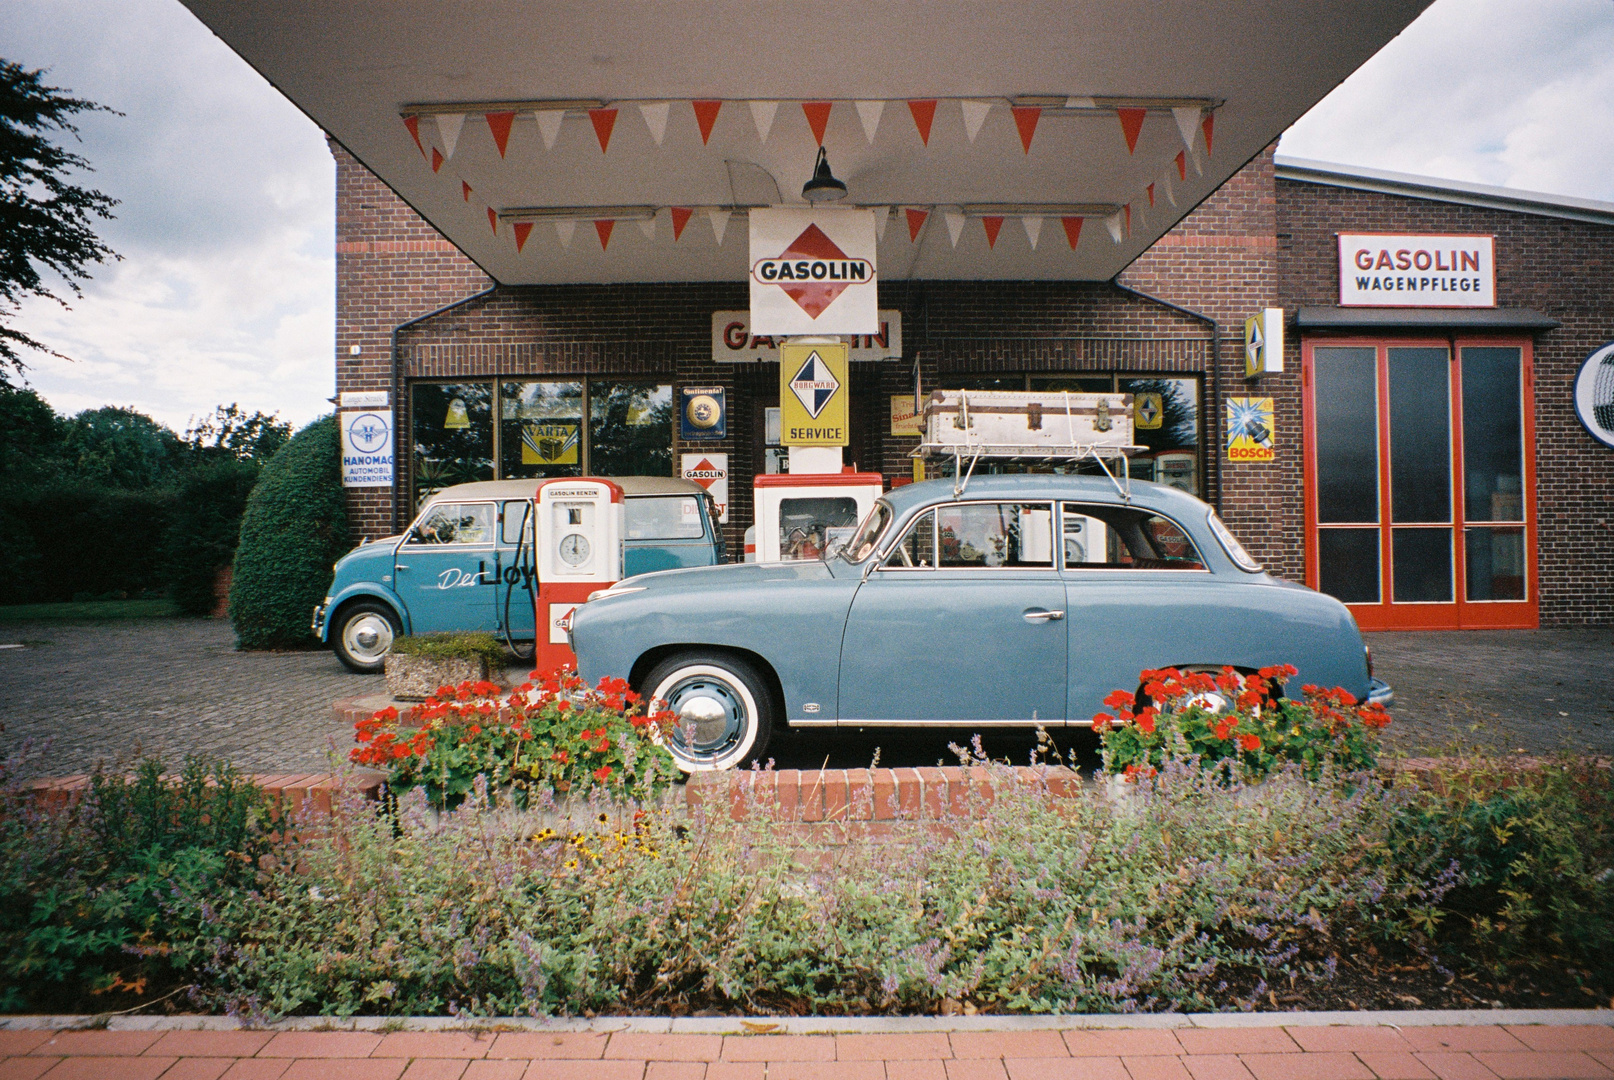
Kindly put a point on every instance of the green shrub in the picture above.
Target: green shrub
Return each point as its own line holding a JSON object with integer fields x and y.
{"x": 62, "y": 538}
{"x": 294, "y": 528}
{"x": 453, "y": 645}
{"x": 203, "y": 530}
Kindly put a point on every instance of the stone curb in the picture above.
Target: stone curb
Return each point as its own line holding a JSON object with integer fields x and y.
{"x": 821, "y": 1025}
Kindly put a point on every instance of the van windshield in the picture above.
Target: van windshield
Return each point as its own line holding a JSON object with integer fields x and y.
{"x": 664, "y": 517}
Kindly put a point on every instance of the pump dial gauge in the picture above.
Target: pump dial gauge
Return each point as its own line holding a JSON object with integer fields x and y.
{"x": 574, "y": 549}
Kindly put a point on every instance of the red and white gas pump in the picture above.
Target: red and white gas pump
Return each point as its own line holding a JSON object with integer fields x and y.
{"x": 803, "y": 515}
{"x": 580, "y": 528}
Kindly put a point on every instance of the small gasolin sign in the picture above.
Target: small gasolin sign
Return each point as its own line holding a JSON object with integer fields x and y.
{"x": 812, "y": 394}
{"x": 813, "y": 272}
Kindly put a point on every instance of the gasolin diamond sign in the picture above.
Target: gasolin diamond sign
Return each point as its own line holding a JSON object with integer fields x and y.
{"x": 812, "y": 272}
{"x": 812, "y": 394}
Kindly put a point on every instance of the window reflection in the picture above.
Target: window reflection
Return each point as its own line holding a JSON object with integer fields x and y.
{"x": 451, "y": 428}
{"x": 541, "y": 429}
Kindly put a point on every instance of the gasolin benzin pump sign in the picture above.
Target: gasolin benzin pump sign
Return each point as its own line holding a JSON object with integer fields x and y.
{"x": 812, "y": 272}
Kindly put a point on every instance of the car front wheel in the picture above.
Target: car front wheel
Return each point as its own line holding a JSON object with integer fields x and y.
{"x": 723, "y": 708}
{"x": 363, "y": 636}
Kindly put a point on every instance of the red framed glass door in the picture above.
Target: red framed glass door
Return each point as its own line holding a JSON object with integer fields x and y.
{"x": 1420, "y": 480}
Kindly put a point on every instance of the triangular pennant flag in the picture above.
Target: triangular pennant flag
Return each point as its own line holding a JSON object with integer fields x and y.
{"x": 882, "y": 217}
{"x": 1182, "y": 165}
{"x": 1113, "y": 224}
{"x": 955, "y": 225}
{"x": 705, "y": 117}
{"x": 923, "y": 113}
{"x": 817, "y": 113}
{"x": 762, "y": 115}
{"x": 499, "y": 123}
{"x": 493, "y": 220}
{"x": 448, "y": 129}
{"x": 1128, "y": 209}
{"x": 564, "y": 227}
{"x": 413, "y": 124}
{"x": 647, "y": 226}
{"x": 974, "y": 116}
{"x": 522, "y": 229}
{"x": 1033, "y": 227}
{"x": 680, "y": 218}
{"x": 992, "y": 224}
{"x": 916, "y": 221}
{"x": 604, "y": 121}
{"x": 869, "y": 112}
{"x": 465, "y": 191}
{"x": 437, "y": 159}
{"x": 1131, "y": 125}
{"x": 655, "y": 118}
{"x": 720, "y": 223}
{"x": 1199, "y": 169}
{"x": 1073, "y": 230}
{"x": 1209, "y": 124}
{"x": 1025, "y": 118}
{"x": 1187, "y": 122}
{"x": 603, "y": 228}
{"x": 549, "y": 125}
{"x": 1150, "y": 190}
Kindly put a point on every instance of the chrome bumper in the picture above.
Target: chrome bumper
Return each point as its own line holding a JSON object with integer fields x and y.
{"x": 1380, "y": 692}
{"x": 318, "y": 624}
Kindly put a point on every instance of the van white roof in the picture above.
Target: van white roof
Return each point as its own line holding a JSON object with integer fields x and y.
{"x": 631, "y": 486}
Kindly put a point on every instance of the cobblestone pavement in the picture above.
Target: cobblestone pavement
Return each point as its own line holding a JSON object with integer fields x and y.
{"x": 174, "y": 686}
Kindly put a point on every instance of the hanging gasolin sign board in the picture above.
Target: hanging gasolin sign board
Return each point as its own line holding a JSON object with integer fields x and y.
{"x": 733, "y": 341}
{"x": 1388, "y": 270}
{"x": 366, "y": 449}
{"x": 812, "y": 394}
{"x": 812, "y": 272}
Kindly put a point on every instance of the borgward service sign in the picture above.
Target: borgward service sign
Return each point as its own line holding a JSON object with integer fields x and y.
{"x": 813, "y": 271}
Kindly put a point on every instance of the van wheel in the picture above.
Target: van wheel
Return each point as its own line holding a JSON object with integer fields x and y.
{"x": 364, "y": 634}
{"x": 724, "y": 710}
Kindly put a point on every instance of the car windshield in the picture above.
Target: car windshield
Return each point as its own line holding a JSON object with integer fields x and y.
{"x": 868, "y": 533}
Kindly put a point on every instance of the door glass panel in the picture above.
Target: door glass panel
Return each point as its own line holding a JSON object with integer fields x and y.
{"x": 990, "y": 535}
{"x": 630, "y": 429}
{"x": 1421, "y": 565}
{"x": 1346, "y": 399}
{"x": 541, "y": 429}
{"x": 1494, "y": 560}
{"x": 1493, "y": 437}
{"x": 1348, "y": 564}
{"x": 918, "y": 548}
{"x": 1420, "y": 435}
{"x": 452, "y": 429}
{"x": 455, "y": 523}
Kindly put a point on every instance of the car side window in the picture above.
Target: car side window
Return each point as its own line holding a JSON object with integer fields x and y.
{"x": 665, "y": 517}
{"x": 917, "y": 549}
{"x": 995, "y": 535}
{"x": 455, "y": 523}
{"x": 1124, "y": 538}
{"x": 517, "y": 527}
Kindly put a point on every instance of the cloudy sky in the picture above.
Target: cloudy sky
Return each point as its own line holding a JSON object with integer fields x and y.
{"x": 225, "y": 289}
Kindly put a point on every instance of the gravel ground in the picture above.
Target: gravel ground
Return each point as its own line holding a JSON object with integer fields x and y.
{"x": 172, "y": 686}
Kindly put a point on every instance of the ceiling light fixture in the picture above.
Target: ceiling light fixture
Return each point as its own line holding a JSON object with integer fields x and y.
{"x": 823, "y": 187}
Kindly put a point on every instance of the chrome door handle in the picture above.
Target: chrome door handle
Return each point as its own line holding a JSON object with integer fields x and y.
{"x": 400, "y": 566}
{"x": 1044, "y": 616}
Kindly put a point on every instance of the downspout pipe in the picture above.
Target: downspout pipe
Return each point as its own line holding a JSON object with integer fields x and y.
{"x": 1214, "y": 427}
{"x": 397, "y": 382}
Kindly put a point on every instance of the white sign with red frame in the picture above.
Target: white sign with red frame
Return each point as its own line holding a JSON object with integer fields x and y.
{"x": 1396, "y": 270}
{"x": 813, "y": 271}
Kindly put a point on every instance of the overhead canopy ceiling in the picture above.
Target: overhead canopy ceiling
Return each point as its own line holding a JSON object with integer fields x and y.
{"x": 1052, "y": 90}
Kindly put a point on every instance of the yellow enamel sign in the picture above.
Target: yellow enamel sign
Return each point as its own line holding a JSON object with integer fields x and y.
{"x": 1250, "y": 429}
{"x": 549, "y": 443}
{"x": 812, "y": 394}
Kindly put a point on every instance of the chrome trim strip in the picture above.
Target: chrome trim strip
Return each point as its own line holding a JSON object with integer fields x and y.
{"x": 938, "y": 723}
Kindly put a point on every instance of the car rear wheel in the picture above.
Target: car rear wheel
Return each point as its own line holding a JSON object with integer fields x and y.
{"x": 723, "y": 708}
{"x": 363, "y": 636}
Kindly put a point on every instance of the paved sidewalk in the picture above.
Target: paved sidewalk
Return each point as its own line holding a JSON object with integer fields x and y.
{"x": 1246, "y": 1047}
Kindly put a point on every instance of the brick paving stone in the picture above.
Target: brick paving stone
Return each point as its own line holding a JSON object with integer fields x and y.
{"x": 919, "y": 1045}
{"x": 17, "y": 1043}
{"x": 974, "y": 1069}
{"x": 1006, "y": 1044}
{"x": 1236, "y": 1041}
{"x": 222, "y": 1044}
{"x": 199, "y": 1068}
{"x": 109, "y": 1067}
{"x": 1395, "y": 1065}
{"x": 1122, "y": 1041}
{"x": 585, "y": 1069}
{"x": 675, "y": 1070}
{"x": 1066, "y": 1068}
{"x": 1156, "y": 1067}
{"x": 1541, "y": 1065}
{"x": 506, "y": 1069}
{"x": 1308, "y": 1066}
{"x": 736, "y": 1070}
{"x": 25, "y": 1068}
{"x": 826, "y": 1070}
{"x": 1448, "y": 1065}
{"x": 257, "y": 1069}
{"x": 1465, "y": 1039}
{"x": 321, "y": 1044}
{"x": 94, "y": 1043}
{"x": 934, "y": 1069}
{"x": 435, "y": 1069}
{"x": 1565, "y": 1037}
{"x": 648, "y": 1047}
{"x": 432, "y": 1044}
{"x": 548, "y": 1044}
{"x": 1216, "y": 1067}
{"x": 344, "y": 1068}
{"x": 1605, "y": 1056}
{"x": 1346, "y": 1039}
{"x": 779, "y": 1048}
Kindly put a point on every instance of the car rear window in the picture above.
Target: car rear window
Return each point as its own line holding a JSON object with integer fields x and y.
{"x": 664, "y": 517}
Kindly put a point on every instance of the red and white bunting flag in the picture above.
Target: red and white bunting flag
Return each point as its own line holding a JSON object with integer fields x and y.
{"x": 549, "y": 125}
{"x": 465, "y": 191}
{"x": 762, "y": 115}
{"x": 413, "y": 124}
{"x": 655, "y": 118}
{"x": 1171, "y": 195}
{"x": 1025, "y": 118}
{"x": 882, "y": 217}
{"x": 924, "y": 112}
{"x": 720, "y": 223}
{"x": 604, "y": 120}
{"x": 1150, "y": 190}
{"x": 1131, "y": 126}
{"x": 993, "y": 224}
{"x": 1209, "y": 125}
{"x": 916, "y": 221}
{"x": 603, "y": 228}
{"x": 1113, "y": 224}
{"x": 817, "y": 113}
{"x": 870, "y": 112}
{"x": 1187, "y": 123}
{"x": 1182, "y": 165}
{"x": 564, "y": 228}
{"x": 705, "y": 116}
{"x": 448, "y": 129}
{"x": 1033, "y": 227}
{"x": 499, "y": 123}
{"x": 522, "y": 229}
{"x": 437, "y": 160}
{"x": 955, "y": 225}
{"x": 1128, "y": 210}
{"x": 493, "y": 220}
{"x": 647, "y": 228}
{"x": 974, "y": 116}
{"x": 1073, "y": 230}
{"x": 680, "y": 218}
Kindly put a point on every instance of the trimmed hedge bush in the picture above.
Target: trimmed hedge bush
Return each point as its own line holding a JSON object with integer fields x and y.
{"x": 62, "y": 539}
{"x": 294, "y": 528}
{"x": 204, "y": 529}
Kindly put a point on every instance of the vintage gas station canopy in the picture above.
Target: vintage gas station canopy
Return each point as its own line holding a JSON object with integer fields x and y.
{"x": 624, "y": 140}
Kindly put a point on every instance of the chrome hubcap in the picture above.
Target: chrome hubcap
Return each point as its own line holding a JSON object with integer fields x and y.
{"x": 368, "y": 638}
{"x": 710, "y": 714}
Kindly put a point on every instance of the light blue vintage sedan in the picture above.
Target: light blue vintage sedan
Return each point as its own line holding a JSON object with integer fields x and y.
{"x": 1022, "y": 601}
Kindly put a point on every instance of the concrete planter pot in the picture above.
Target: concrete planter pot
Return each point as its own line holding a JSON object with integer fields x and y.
{"x": 416, "y": 678}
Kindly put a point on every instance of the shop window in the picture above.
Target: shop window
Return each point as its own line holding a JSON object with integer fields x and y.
{"x": 451, "y": 429}
{"x": 630, "y": 429}
{"x": 541, "y": 429}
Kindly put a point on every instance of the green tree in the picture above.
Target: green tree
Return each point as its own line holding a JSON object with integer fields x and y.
{"x": 121, "y": 448}
{"x": 229, "y": 432}
{"x": 45, "y": 221}
{"x": 31, "y": 434}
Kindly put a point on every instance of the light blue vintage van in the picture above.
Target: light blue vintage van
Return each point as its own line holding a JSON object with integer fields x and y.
{"x": 467, "y": 564}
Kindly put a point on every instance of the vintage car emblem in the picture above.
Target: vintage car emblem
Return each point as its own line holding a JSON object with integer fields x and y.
{"x": 813, "y": 271}
{"x": 814, "y": 385}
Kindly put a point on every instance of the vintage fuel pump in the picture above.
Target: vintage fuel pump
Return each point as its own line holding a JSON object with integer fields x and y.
{"x": 580, "y": 528}
{"x": 806, "y": 515}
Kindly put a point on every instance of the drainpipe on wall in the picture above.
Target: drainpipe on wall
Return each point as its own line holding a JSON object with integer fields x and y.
{"x": 397, "y": 388}
{"x": 1214, "y": 427}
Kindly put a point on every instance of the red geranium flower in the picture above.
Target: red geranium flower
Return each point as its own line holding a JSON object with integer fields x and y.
{"x": 603, "y": 773}
{"x": 1250, "y": 742}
